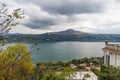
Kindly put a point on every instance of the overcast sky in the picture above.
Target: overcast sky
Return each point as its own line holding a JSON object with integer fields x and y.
{"x": 92, "y": 16}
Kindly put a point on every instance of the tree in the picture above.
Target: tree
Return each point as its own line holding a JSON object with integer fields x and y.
{"x": 8, "y": 20}
{"x": 51, "y": 75}
{"x": 87, "y": 75}
{"x": 15, "y": 62}
{"x": 108, "y": 73}
{"x": 68, "y": 73}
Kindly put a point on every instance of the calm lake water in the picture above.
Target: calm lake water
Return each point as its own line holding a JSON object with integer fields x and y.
{"x": 64, "y": 51}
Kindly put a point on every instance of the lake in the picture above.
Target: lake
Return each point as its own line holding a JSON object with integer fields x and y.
{"x": 64, "y": 51}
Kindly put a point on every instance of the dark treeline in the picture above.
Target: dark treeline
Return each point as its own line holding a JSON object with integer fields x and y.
{"x": 62, "y": 37}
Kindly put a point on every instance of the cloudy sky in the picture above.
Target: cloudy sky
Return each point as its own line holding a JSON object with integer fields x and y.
{"x": 93, "y": 16}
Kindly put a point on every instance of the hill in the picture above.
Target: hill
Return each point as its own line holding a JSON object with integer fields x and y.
{"x": 67, "y": 35}
{"x": 68, "y": 32}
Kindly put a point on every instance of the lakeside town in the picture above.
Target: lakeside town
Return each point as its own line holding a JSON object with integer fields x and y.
{"x": 80, "y": 69}
{"x": 94, "y": 68}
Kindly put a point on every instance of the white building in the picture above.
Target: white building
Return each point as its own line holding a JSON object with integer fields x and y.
{"x": 73, "y": 66}
{"x": 112, "y": 54}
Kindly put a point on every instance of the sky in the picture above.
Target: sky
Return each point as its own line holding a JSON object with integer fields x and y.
{"x": 91, "y": 16}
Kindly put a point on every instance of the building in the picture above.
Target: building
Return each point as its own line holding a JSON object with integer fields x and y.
{"x": 112, "y": 54}
{"x": 73, "y": 66}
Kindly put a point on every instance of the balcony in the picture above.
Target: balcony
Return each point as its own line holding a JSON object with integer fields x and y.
{"x": 112, "y": 48}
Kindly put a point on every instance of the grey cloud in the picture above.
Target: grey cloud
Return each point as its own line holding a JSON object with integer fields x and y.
{"x": 54, "y": 8}
{"x": 40, "y": 24}
{"x": 68, "y": 7}
{"x": 59, "y": 7}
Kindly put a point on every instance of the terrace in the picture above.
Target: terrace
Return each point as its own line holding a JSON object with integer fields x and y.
{"x": 112, "y": 48}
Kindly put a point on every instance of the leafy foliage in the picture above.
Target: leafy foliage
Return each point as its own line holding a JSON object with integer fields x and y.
{"x": 8, "y": 20}
{"x": 15, "y": 62}
{"x": 53, "y": 76}
{"x": 108, "y": 73}
{"x": 87, "y": 75}
{"x": 69, "y": 73}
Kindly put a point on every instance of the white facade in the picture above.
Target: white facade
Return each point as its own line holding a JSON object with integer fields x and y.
{"x": 112, "y": 54}
{"x": 111, "y": 59}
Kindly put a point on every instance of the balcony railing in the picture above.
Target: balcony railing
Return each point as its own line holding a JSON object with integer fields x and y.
{"x": 115, "y": 47}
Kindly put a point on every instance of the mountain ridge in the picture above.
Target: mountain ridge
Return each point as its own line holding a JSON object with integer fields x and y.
{"x": 66, "y": 35}
{"x": 68, "y": 32}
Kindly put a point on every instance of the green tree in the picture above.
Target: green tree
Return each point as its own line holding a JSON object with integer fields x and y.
{"x": 51, "y": 75}
{"x": 69, "y": 73}
{"x": 108, "y": 73}
{"x": 15, "y": 62}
